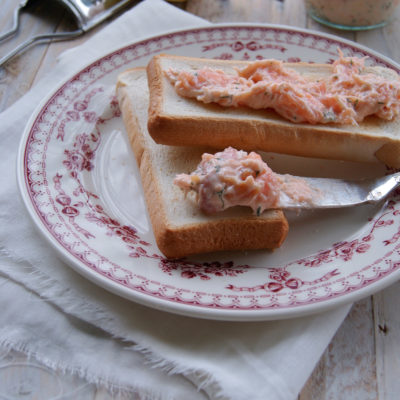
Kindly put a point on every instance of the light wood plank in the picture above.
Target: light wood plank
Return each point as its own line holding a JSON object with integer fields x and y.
{"x": 294, "y": 13}
{"x": 347, "y": 368}
{"x": 52, "y": 52}
{"x": 391, "y": 33}
{"x": 14, "y": 83}
{"x": 387, "y": 334}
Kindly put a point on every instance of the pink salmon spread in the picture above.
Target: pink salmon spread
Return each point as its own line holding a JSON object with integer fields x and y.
{"x": 347, "y": 96}
{"x": 234, "y": 177}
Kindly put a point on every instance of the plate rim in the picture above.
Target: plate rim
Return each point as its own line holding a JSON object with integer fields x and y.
{"x": 163, "y": 304}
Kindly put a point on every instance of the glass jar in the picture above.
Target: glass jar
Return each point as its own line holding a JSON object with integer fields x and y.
{"x": 352, "y": 14}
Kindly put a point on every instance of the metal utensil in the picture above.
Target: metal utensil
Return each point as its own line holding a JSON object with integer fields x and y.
{"x": 337, "y": 193}
{"x": 87, "y": 13}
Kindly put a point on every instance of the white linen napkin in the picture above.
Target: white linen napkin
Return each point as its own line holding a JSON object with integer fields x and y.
{"x": 71, "y": 325}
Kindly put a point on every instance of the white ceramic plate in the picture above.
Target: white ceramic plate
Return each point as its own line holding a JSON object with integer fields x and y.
{"x": 80, "y": 184}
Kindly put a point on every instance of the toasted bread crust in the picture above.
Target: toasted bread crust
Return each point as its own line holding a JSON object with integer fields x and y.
{"x": 373, "y": 140}
{"x": 227, "y": 231}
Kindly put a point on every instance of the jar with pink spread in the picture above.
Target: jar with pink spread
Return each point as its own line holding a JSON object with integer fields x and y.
{"x": 352, "y": 14}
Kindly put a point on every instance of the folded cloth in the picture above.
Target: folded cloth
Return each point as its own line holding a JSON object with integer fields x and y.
{"x": 69, "y": 324}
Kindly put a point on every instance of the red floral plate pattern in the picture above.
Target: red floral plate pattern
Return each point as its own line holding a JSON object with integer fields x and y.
{"x": 81, "y": 186}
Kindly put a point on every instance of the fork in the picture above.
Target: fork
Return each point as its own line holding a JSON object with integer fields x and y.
{"x": 87, "y": 14}
{"x": 17, "y": 12}
{"x": 337, "y": 193}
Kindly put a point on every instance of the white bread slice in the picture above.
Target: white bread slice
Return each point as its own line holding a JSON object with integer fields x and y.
{"x": 175, "y": 120}
{"x": 180, "y": 228}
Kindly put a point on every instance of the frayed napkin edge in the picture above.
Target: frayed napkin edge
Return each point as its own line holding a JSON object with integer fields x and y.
{"x": 61, "y": 297}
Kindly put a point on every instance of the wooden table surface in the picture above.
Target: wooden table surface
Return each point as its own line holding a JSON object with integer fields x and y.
{"x": 363, "y": 359}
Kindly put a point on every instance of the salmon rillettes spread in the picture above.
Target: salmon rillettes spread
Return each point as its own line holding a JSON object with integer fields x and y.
{"x": 346, "y": 96}
{"x": 237, "y": 178}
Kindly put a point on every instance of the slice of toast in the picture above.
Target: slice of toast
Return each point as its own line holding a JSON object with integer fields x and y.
{"x": 175, "y": 120}
{"x": 180, "y": 228}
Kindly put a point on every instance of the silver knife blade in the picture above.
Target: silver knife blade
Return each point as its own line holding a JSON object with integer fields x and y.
{"x": 336, "y": 193}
